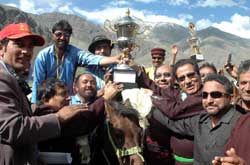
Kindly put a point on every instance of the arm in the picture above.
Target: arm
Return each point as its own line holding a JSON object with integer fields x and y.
{"x": 184, "y": 127}
{"x": 16, "y": 127}
{"x": 174, "y": 107}
{"x": 86, "y": 58}
{"x": 174, "y": 52}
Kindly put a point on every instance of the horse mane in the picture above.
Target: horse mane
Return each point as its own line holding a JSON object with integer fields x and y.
{"x": 125, "y": 110}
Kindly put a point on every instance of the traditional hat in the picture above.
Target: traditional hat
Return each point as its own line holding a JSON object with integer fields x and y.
{"x": 20, "y": 30}
{"x": 96, "y": 40}
{"x": 158, "y": 51}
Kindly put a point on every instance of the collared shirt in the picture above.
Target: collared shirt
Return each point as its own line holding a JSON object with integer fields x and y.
{"x": 45, "y": 66}
{"x": 151, "y": 72}
{"x": 75, "y": 100}
{"x": 208, "y": 141}
{"x": 98, "y": 72}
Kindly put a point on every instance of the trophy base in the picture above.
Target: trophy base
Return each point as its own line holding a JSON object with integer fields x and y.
{"x": 197, "y": 57}
{"x": 125, "y": 75}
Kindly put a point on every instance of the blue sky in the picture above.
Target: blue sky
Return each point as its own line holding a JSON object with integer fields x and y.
{"x": 231, "y": 16}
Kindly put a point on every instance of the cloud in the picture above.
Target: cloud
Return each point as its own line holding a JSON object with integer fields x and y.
{"x": 239, "y": 25}
{"x": 118, "y": 3}
{"x": 177, "y": 2}
{"x": 99, "y": 16}
{"x": 11, "y": 4}
{"x": 38, "y": 6}
{"x": 216, "y": 3}
{"x": 203, "y": 23}
{"x": 145, "y": 1}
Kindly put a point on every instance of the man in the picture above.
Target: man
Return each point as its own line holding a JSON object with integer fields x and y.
{"x": 85, "y": 87}
{"x": 102, "y": 46}
{"x": 53, "y": 95}
{"x": 158, "y": 57}
{"x": 86, "y": 93}
{"x": 212, "y": 129}
{"x": 19, "y": 131}
{"x": 61, "y": 59}
{"x": 238, "y": 139}
{"x": 163, "y": 76}
{"x": 207, "y": 68}
{"x": 179, "y": 103}
{"x": 243, "y": 102}
{"x": 157, "y": 148}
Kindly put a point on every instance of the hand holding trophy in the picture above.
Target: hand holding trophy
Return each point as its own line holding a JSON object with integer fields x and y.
{"x": 194, "y": 44}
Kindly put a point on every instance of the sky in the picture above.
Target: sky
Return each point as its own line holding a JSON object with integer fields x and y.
{"x": 232, "y": 16}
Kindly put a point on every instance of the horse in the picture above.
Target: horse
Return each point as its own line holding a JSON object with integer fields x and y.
{"x": 120, "y": 139}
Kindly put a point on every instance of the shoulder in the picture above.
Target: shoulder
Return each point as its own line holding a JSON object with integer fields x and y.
{"x": 244, "y": 120}
{"x": 45, "y": 52}
{"x": 203, "y": 116}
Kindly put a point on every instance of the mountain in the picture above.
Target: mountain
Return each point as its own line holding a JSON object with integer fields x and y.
{"x": 215, "y": 44}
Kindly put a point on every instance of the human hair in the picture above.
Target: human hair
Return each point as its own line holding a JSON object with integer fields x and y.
{"x": 209, "y": 65}
{"x": 222, "y": 80}
{"x": 182, "y": 62}
{"x": 243, "y": 67}
{"x": 62, "y": 25}
{"x": 80, "y": 75}
{"x": 48, "y": 89}
{"x": 4, "y": 42}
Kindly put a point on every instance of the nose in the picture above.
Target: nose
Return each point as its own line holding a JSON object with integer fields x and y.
{"x": 209, "y": 99}
{"x": 187, "y": 80}
{"x": 88, "y": 83}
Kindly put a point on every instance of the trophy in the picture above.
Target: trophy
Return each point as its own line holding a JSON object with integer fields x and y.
{"x": 194, "y": 43}
{"x": 126, "y": 28}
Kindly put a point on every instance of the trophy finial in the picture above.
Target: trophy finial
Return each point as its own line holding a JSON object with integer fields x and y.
{"x": 128, "y": 12}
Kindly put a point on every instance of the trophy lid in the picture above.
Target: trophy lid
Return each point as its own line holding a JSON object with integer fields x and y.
{"x": 126, "y": 20}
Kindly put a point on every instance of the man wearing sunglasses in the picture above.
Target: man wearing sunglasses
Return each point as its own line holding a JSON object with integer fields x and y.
{"x": 178, "y": 103}
{"x": 61, "y": 59}
{"x": 212, "y": 129}
{"x": 238, "y": 140}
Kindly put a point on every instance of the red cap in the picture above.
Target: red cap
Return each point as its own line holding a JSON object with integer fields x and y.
{"x": 158, "y": 51}
{"x": 20, "y": 30}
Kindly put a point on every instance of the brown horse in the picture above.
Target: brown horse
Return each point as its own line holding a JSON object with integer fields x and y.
{"x": 119, "y": 139}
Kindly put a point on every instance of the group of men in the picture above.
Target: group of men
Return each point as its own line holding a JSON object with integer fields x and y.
{"x": 194, "y": 120}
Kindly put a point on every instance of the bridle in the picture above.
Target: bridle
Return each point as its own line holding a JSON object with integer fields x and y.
{"x": 123, "y": 152}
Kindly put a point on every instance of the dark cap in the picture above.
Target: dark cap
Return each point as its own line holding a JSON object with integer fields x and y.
{"x": 98, "y": 39}
{"x": 158, "y": 51}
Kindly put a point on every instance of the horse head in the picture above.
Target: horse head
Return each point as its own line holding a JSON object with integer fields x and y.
{"x": 125, "y": 133}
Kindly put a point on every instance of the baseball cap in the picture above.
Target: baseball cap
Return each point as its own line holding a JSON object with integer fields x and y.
{"x": 20, "y": 30}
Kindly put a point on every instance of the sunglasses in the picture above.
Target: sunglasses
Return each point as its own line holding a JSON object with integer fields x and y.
{"x": 59, "y": 34}
{"x": 190, "y": 75}
{"x": 214, "y": 95}
{"x": 165, "y": 75}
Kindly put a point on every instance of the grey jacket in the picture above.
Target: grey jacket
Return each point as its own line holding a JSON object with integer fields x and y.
{"x": 19, "y": 130}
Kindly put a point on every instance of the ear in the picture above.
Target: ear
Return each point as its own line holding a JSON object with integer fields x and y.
{"x": 2, "y": 50}
{"x": 127, "y": 103}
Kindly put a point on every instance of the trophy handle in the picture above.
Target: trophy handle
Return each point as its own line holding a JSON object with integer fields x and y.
{"x": 108, "y": 27}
